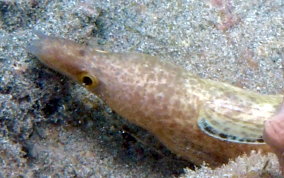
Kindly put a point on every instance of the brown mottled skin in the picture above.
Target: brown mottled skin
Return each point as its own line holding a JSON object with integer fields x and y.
{"x": 160, "y": 97}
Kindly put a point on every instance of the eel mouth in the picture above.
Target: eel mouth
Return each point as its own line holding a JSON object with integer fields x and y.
{"x": 61, "y": 55}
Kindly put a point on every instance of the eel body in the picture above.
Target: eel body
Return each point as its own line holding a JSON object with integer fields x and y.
{"x": 198, "y": 119}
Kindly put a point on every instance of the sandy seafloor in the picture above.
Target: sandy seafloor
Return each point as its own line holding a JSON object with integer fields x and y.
{"x": 50, "y": 126}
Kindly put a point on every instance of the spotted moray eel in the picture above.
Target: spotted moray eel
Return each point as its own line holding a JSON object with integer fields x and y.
{"x": 198, "y": 119}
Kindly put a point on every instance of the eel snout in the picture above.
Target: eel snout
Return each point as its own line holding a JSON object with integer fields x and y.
{"x": 62, "y": 55}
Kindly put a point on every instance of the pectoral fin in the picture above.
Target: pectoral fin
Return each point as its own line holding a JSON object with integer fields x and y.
{"x": 231, "y": 125}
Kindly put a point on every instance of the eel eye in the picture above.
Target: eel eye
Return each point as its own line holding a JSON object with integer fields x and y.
{"x": 88, "y": 80}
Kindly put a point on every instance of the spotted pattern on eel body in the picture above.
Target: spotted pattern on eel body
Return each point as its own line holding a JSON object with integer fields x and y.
{"x": 197, "y": 119}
